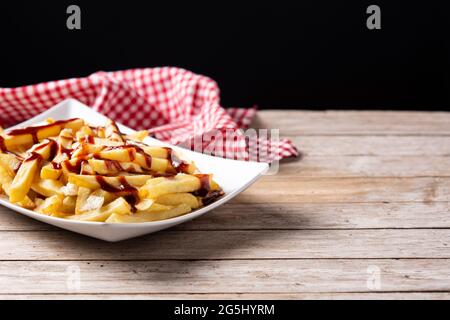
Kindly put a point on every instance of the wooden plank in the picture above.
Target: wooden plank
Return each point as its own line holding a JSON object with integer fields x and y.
{"x": 230, "y": 244}
{"x": 261, "y": 216}
{"x": 344, "y": 182}
{"x": 283, "y": 189}
{"x": 373, "y": 145}
{"x": 248, "y": 276}
{"x": 367, "y": 166}
{"x": 238, "y": 296}
{"x": 293, "y": 122}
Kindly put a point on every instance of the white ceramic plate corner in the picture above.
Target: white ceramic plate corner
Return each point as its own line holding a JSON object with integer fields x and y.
{"x": 233, "y": 176}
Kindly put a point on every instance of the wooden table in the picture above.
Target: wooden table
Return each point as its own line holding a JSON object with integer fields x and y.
{"x": 364, "y": 214}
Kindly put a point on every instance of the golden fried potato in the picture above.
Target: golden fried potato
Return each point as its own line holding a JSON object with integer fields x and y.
{"x": 71, "y": 170}
{"x": 150, "y": 216}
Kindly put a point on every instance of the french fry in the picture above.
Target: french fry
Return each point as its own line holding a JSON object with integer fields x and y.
{"x": 86, "y": 168}
{"x": 85, "y": 134}
{"x": 60, "y": 214}
{"x": 112, "y": 131}
{"x": 5, "y": 177}
{"x": 156, "y": 164}
{"x": 50, "y": 205}
{"x": 112, "y": 166}
{"x": 10, "y": 163}
{"x": 85, "y": 149}
{"x": 64, "y": 143}
{"x": 150, "y": 216}
{"x": 129, "y": 154}
{"x": 187, "y": 167}
{"x": 50, "y": 172}
{"x": 107, "y": 143}
{"x": 65, "y": 138}
{"x": 26, "y": 202}
{"x": 156, "y": 187}
{"x": 143, "y": 207}
{"x": 47, "y": 187}
{"x": 68, "y": 204}
{"x": 75, "y": 124}
{"x": 27, "y": 171}
{"x": 27, "y": 139}
{"x": 42, "y": 132}
{"x": 137, "y": 136}
{"x": 101, "y": 132}
{"x": 119, "y": 207}
{"x": 124, "y": 154}
{"x": 155, "y": 152}
{"x": 92, "y": 183}
{"x": 174, "y": 199}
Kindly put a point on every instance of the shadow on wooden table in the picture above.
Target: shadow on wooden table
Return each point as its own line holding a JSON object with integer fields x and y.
{"x": 215, "y": 236}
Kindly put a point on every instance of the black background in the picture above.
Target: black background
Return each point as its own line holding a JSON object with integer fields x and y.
{"x": 298, "y": 54}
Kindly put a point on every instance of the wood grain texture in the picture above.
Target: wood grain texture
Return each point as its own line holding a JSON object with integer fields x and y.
{"x": 347, "y": 190}
{"x": 367, "y": 166}
{"x": 292, "y": 215}
{"x": 334, "y": 123}
{"x": 249, "y": 276}
{"x": 232, "y": 244}
{"x": 372, "y": 190}
{"x": 377, "y": 295}
{"x": 383, "y": 146}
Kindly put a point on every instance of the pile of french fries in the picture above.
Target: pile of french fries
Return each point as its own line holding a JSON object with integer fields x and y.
{"x": 69, "y": 169}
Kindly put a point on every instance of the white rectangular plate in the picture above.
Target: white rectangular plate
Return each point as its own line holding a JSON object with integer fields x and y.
{"x": 233, "y": 176}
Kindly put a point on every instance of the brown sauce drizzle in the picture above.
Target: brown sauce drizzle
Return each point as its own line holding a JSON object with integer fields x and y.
{"x": 124, "y": 186}
{"x": 53, "y": 147}
{"x": 17, "y": 166}
{"x": 211, "y": 196}
{"x": 147, "y": 157}
{"x": 178, "y": 164}
{"x": 131, "y": 154}
{"x": 89, "y": 139}
{"x": 132, "y": 199}
{"x": 34, "y": 130}
{"x": 33, "y": 156}
{"x": 132, "y": 149}
{"x": 56, "y": 165}
{"x": 117, "y": 131}
{"x": 2, "y": 145}
{"x": 5, "y": 150}
{"x": 125, "y": 189}
{"x": 75, "y": 168}
{"x": 208, "y": 195}
{"x": 113, "y": 165}
{"x": 164, "y": 175}
{"x": 205, "y": 187}
{"x": 67, "y": 152}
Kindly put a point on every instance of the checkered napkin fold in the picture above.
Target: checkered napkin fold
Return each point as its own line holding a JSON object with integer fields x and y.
{"x": 177, "y": 106}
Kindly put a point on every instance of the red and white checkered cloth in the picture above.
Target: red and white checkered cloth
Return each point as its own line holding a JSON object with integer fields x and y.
{"x": 177, "y": 106}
